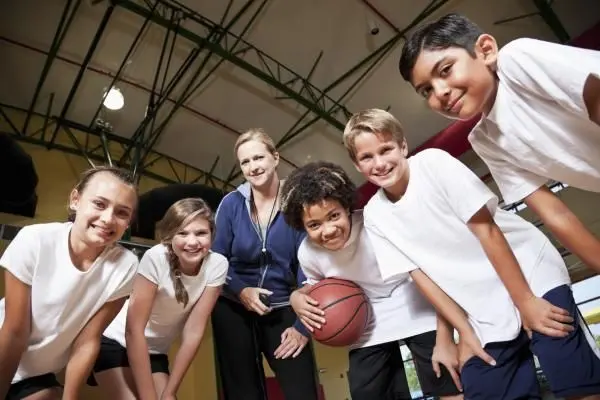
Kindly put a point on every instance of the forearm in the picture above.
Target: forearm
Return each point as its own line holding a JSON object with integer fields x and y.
{"x": 451, "y": 312}
{"x": 298, "y": 325}
{"x": 82, "y": 359}
{"x": 139, "y": 361}
{"x": 574, "y": 235}
{"x": 12, "y": 347}
{"x": 183, "y": 359}
{"x": 445, "y": 330}
{"x": 505, "y": 263}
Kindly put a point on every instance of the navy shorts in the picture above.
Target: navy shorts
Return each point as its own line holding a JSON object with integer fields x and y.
{"x": 570, "y": 364}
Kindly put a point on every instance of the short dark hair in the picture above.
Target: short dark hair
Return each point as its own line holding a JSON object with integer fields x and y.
{"x": 311, "y": 184}
{"x": 452, "y": 30}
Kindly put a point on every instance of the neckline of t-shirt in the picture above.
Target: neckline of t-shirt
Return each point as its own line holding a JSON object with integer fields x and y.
{"x": 65, "y": 246}
{"x": 201, "y": 272}
{"x": 406, "y": 192}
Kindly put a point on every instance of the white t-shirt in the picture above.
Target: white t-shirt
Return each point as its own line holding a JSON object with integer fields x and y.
{"x": 539, "y": 128}
{"x": 168, "y": 317}
{"x": 427, "y": 229}
{"x": 63, "y": 298}
{"x": 399, "y": 309}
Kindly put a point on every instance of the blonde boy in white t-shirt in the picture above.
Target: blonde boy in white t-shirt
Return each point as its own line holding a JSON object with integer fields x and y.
{"x": 541, "y": 114}
{"x": 174, "y": 293}
{"x": 440, "y": 222}
{"x": 318, "y": 198}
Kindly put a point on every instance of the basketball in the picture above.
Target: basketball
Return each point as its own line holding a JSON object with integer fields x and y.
{"x": 346, "y": 310}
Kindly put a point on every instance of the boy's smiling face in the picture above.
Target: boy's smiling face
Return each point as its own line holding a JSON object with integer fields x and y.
{"x": 382, "y": 160}
{"x": 327, "y": 224}
{"x": 454, "y": 83}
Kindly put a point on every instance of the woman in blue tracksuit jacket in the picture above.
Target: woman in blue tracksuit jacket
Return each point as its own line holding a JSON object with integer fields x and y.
{"x": 253, "y": 314}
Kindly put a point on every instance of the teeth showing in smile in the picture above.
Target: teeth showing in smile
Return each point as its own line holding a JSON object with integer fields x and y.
{"x": 103, "y": 231}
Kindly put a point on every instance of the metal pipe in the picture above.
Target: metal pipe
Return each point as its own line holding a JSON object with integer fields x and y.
{"x": 122, "y": 66}
{"x": 189, "y": 91}
{"x": 54, "y": 47}
{"x": 86, "y": 61}
{"x": 47, "y": 116}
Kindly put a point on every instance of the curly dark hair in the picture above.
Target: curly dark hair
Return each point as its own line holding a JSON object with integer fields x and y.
{"x": 311, "y": 184}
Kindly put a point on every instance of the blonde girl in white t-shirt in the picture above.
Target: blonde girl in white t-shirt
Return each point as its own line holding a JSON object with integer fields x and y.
{"x": 64, "y": 283}
{"x": 174, "y": 292}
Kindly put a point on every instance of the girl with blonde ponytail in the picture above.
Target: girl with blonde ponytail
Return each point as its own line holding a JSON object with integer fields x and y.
{"x": 177, "y": 285}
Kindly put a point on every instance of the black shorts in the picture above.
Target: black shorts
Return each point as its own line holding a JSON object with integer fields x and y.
{"x": 113, "y": 355}
{"x": 377, "y": 372}
{"x": 31, "y": 385}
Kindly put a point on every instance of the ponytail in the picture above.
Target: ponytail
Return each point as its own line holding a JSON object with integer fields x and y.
{"x": 180, "y": 293}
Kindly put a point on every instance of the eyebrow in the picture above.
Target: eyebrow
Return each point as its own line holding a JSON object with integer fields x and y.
{"x": 432, "y": 72}
{"x": 118, "y": 205}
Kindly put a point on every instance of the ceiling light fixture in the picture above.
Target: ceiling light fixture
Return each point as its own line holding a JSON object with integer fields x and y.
{"x": 114, "y": 100}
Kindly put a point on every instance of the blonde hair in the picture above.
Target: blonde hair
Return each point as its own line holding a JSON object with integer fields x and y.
{"x": 257, "y": 134}
{"x": 177, "y": 216}
{"x": 375, "y": 121}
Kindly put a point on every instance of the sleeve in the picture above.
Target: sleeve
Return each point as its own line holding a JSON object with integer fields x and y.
{"x": 390, "y": 259}
{"x": 219, "y": 275}
{"x": 464, "y": 191}
{"x": 150, "y": 265}
{"x": 311, "y": 271}
{"x": 21, "y": 256}
{"x": 514, "y": 183}
{"x": 126, "y": 286}
{"x": 549, "y": 70}
{"x": 223, "y": 241}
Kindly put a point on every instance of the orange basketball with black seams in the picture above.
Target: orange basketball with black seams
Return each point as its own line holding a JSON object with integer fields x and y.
{"x": 347, "y": 311}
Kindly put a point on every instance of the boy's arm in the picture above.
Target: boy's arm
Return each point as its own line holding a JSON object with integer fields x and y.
{"x": 476, "y": 210}
{"x": 310, "y": 316}
{"x": 450, "y": 315}
{"x": 538, "y": 314}
{"x": 565, "y": 226}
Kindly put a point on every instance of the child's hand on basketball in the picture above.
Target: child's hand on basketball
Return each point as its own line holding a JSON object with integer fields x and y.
{"x": 250, "y": 298}
{"x": 292, "y": 343}
{"x": 446, "y": 354}
{"x": 542, "y": 316}
{"x": 307, "y": 310}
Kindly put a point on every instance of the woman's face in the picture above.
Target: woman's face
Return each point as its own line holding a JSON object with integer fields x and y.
{"x": 257, "y": 163}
